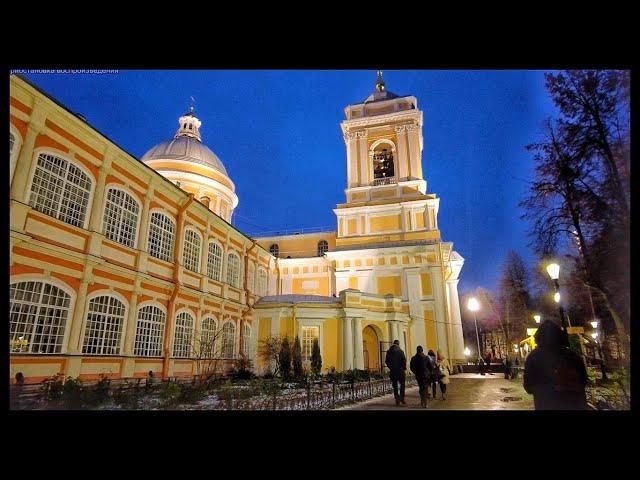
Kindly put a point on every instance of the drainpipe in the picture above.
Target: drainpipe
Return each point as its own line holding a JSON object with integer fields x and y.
{"x": 246, "y": 294}
{"x": 176, "y": 286}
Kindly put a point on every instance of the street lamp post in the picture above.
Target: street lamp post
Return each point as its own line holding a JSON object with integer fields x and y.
{"x": 474, "y": 306}
{"x": 553, "y": 269}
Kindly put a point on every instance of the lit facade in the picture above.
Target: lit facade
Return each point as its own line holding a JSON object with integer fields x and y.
{"x": 120, "y": 266}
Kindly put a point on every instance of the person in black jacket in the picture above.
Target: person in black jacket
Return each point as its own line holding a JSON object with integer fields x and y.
{"x": 554, "y": 374}
{"x": 435, "y": 374}
{"x": 421, "y": 367}
{"x": 396, "y": 360}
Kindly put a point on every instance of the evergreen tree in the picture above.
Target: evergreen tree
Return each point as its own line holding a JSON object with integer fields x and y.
{"x": 316, "y": 359}
{"x": 285, "y": 359}
{"x": 297, "y": 359}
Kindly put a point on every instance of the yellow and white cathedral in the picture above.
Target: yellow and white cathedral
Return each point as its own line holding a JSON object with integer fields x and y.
{"x": 118, "y": 265}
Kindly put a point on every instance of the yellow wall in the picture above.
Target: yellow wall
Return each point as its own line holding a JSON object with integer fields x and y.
{"x": 419, "y": 220}
{"x": 287, "y": 328}
{"x": 425, "y": 279}
{"x": 430, "y": 330}
{"x": 389, "y": 285}
{"x": 386, "y": 223}
{"x": 372, "y": 347}
{"x": 310, "y": 286}
{"x": 353, "y": 282}
{"x": 351, "y": 226}
{"x": 298, "y": 246}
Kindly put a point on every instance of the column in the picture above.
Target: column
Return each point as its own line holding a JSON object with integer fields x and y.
{"x": 95, "y": 217}
{"x": 401, "y": 158}
{"x": 363, "y": 158}
{"x": 143, "y": 233}
{"x": 74, "y": 344}
{"x": 129, "y": 362}
{"x": 352, "y": 157}
{"x": 439, "y": 312}
{"x": 357, "y": 344}
{"x": 19, "y": 185}
{"x": 456, "y": 327}
{"x": 415, "y": 171}
{"x": 347, "y": 344}
{"x": 416, "y": 311}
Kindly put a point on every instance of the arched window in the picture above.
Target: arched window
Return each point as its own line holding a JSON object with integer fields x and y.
{"x": 183, "y": 335}
{"x": 214, "y": 261}
{"x": 38, "y": 317}
{"x": 274, "y": 250}
{"x": 12, "y": 141}
{"x": 103, "y": 333}
{"x": 120, "y": 217}
{"x": 251, "y": 277}
{"x": 60, "y": 189}
{"x": 161, "y": 236}
{"x": 208, "y": 339}
{"x": 191, "y": 250}
{"x": 233, "y": 270}
{"x": 228, "y": 340}
{"x": 149, "y": 332}
{"x": 247, "y": 340}
{"x": 261, "y": 287}
{"x": 205, "y": 201}
{"x": 323, "y": 246}
{"x": 383, "y": 168}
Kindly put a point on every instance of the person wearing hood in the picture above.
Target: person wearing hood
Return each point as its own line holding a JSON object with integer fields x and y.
{"x": 444, "y": 367}
{"x": 396, "y": 360}
{"x": 435, "y": 375}
{"x": 421, "y": 367}
{"x": 553, "y": 373}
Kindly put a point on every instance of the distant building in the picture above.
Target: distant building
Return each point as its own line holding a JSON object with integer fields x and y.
{"x": 122, "y": 266}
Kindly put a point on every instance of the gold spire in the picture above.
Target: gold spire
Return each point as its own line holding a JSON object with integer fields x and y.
{"x": 380, "y": 82}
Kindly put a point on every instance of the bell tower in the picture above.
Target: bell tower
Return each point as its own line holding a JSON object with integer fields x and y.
{"x": 386, "y": 192}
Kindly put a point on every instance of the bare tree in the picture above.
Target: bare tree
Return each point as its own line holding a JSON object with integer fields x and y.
{"x": 206, "y": 350}
{"x": 269, "y": 350}
{"x": 514, "y": 298}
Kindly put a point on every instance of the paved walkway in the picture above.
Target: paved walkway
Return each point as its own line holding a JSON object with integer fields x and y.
{"x": 467, "y": 391}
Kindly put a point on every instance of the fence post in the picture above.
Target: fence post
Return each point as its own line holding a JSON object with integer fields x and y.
{"x": 333, "y": 394}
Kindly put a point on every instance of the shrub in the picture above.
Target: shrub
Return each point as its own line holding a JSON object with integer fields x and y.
{"x": 72, "y": 393}
{"x": 316, "y": 358}
{"x": 128, "y": 399}
{"x": 242, "y": 369}
{"x": 285, "y": 359}
{"x": 297, "y": 359}
{"x": 189, "y": 393}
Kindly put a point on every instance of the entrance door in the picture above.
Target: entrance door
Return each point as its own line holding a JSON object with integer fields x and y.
{"x": 371, "y": 348}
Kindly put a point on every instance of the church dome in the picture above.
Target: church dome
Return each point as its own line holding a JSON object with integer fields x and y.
{"x": 187, "y": 149}
{"x": 193, "y": 167}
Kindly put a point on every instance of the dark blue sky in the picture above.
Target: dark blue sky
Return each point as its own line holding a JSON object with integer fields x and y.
{"x": 278, "y": 135}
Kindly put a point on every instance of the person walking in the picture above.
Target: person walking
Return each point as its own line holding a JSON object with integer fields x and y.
{"x": 507, "y": 367}
{"x": 434, "y": 372}
{"x": 444, "y": 368}
{"x": 420, "y": 365}
{"x": 396, "y": 360}
{"x": 553, "y": 373}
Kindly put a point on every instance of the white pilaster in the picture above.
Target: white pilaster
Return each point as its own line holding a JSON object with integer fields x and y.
{"x": 357, "y": 344}
{"x": 347, "y": 344}
{"x": 440, "y": 315}
{"x": 363, "y": 158}
{"x": 456, "y": 327}
{"x": 402, "y": 160}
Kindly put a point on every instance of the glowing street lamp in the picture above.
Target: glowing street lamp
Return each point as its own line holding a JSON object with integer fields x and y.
{"x": 467, "y": 352}
{"x": 594, "y": 335}
{"x": 594, "y": 324}
{"x": 537, "y": 318}
{"x": 474, "y": 306}
{"x": 553, "y": 269}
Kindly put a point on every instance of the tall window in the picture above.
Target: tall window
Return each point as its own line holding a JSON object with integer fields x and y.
{"x": 233, "y": 270}
{"x": 309, "y": 334}
{"x": 383, "y": 171}
{"x": 247, "y": 340}
{"x": 183, "y": 335}
{"x": 103, "y": 333}
{"x": 323, "y": 246}
{"x": 251, "y": 277}
{"x": 37, "y": 318}
{"x": 161, "y": 236}
{"x": 120, "y": 217}
{"x": 228, "y": 340}
{"x": 60, "y": 189}
{"x": 261, "y": 288}
{"x": 191, "y": 250}
{"x": 214, "y": 261}
{"x": 208, "y": 338}
{"x": 149, "y": 332}
{"x": 274, "y": 250}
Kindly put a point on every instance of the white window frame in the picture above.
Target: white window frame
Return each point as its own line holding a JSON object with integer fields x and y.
{"x": 123, "y": 324}
{"x": 65, "y": 157}
{"x": 261, "y": 282}
{"x": 223, "y": 342}
{"x": 15, "y": 151}
{"x": 211, "y": 263}
{"x": 184, "y": 250}
{"x": 251, "y": 277}
{"x": 163, "y": 310}
{"x": 113, "y": 186}
{"x": 310, "y": 322}
{"x": 183, "y": 334}
{"x": 165, "y": 233}
{"x": 248, "y": 351}
{"x": 233, "y": 280}
{"x": 70, "y": 310}
{"x": 214, "y": 320}
{"x": 307, "y": 352}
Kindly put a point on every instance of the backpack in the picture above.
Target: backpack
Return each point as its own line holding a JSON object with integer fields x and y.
{"x": 442, "y": 369}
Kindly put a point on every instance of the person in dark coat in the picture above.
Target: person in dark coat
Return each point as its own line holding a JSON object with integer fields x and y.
{"x": 553, "y": 373}
{"x": 396, "y": 360}
{"x": 507, "y": 368}
{"x": 435, "y": 374}
{"x": 420, "y": 365}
